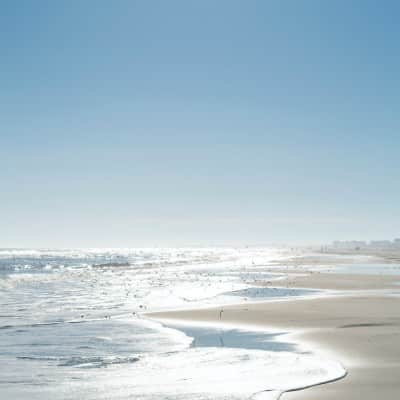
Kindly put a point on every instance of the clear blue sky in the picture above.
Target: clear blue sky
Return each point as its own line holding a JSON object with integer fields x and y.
{"x": 141, "y": 123}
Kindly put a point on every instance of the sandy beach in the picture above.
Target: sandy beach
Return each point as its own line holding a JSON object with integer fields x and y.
{"x": 360, "y": 328}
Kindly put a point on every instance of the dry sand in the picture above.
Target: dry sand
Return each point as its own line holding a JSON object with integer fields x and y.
{"x": 362, "y": 332}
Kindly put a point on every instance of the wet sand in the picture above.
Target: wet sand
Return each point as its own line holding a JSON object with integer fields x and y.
{"x": 361, "y": 331}
{"x": 330, "y": 281}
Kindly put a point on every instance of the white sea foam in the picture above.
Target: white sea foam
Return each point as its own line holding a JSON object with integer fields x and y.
{"x": 214, "y": 373}
{"x": 235, "y": 372}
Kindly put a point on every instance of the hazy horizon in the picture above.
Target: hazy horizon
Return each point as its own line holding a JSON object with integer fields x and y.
{"x": 141, "y": 124}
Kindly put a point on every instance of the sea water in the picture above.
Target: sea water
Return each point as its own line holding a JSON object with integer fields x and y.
{"x": 366, "y": 269}
{"x": 72, "y": 326}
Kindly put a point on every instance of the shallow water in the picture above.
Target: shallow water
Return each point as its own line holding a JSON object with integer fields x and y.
{"x": 270, "y": 292}
{"x": 361, "y": 268}
{"x": 366, "y": 269}
{"x": 224, "y": 337}
{"x": 70, "y": 327}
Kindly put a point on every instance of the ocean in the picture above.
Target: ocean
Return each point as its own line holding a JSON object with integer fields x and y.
{"x": 73, "y": 326}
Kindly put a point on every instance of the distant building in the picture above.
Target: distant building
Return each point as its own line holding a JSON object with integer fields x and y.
{"x": 372, "y": 245}
{"x": 349, "y": 244}
{"x": 381, "y": 244}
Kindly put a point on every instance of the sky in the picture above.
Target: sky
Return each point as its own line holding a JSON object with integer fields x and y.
{"x": 198, "y": 123}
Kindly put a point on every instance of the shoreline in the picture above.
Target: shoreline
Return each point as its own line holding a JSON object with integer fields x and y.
{"x": 359, "y": 329}
{"x": 280, "y": 338}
